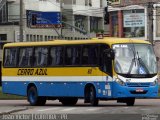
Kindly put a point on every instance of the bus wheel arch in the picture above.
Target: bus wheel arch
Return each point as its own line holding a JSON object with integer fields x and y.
{"x": 31, "y": 85}
{"x": 90, "y": 94}
{"x": 32, "y": 96}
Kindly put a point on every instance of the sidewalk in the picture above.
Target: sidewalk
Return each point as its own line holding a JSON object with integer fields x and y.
{"x": 9, "y": 110}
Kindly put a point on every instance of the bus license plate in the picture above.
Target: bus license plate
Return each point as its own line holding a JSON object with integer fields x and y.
{"x": 139, "y": 90}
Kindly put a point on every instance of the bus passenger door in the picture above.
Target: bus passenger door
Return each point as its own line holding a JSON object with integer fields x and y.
{"x": 106, "y": 68}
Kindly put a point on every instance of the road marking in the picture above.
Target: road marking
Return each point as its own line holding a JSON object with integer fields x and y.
{"x": 68, "y": 109}
{"x": 144, "y": 109}
{"x": 47, "y": 109}
{"x": 92, "y": 109}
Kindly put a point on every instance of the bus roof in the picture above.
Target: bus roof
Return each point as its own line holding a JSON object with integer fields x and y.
{"x": 108, "y": 40}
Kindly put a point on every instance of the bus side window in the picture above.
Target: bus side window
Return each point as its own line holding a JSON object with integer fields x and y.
{"x": 90, "y": 55}
{"x": 10, "y": 57}
{"x": 76, "y": 53}
{"x": 68, "y": 55}
{"x": 7, "y": 57}
{"x": 72, "y": 55}
{"x": 56, "y": 55}
{"x": 85, "y": 56}
{"x": 93, "y": 54}
{"x": 53, "y": 56}
{"x": 41, "y": 56}
{"x": 25, "y": 57}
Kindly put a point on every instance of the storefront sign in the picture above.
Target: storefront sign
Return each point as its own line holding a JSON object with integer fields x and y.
{"x": 134, "y": 20}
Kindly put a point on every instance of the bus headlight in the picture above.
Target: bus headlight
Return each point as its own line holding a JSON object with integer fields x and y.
{"x": 155, "y": 82}
{"x": 119, "y": 81}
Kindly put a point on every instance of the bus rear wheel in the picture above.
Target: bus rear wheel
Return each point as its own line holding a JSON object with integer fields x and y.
{"x": 92, "y": 96}
{"x": 130, "y": 101}
{"x": 68, "y": 101}
{"x": 33, "y": 97}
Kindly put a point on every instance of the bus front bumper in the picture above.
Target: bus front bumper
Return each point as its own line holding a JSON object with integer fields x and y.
{"x": 135, "y": 92}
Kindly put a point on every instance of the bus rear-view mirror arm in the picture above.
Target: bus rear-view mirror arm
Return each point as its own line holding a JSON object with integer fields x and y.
{"x": 157, "y": 58}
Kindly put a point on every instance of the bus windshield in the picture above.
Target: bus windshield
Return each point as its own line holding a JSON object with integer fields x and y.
{"x": 134, "y": 59}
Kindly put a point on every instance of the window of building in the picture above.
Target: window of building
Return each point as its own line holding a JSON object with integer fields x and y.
{"x": 38, "y": 38}
{"x": 94, "y": 23}
{"x": 25, "y": 57}
{"x": 34, "y": 38}
{"x": 31, "y": 38}
{"x": 74, "y": 2}
{"x": 114, "y": 23}
{"x": 3, "y": 12}
{"x": 131, "y": 27}
{"x": 41, "y": 37}
{"x": 41, "y": 56}
{"x": 90, "y": 2}
{"x": 10, "y": 57}
{"x": 27, "y": 37}
{"x": 3, "y": 37}
{"x": 101, "y": 3}
{"x": 86, "y": 2}
{"x": 46, "y": 38}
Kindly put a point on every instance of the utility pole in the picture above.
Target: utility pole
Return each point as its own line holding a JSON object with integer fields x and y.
{"x": 61, "y": 18}
{"x": 150, "y": 21}
{"x": 21, "y": 22}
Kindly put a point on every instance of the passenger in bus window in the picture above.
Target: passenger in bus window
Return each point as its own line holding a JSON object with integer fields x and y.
{"x": 74, "y": 56}
{"x": 43, "y": 57}
{"x": 53, "y": 56}
{"x": 13, "y": 57}
{"x": 59, "y": 55}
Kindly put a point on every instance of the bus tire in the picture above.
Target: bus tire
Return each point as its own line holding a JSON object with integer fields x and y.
{"x": 33, "y": 98}
{"x": 130, "y": 102}
{"x": 69, "y": 101}
{"x": 92, "y": 96}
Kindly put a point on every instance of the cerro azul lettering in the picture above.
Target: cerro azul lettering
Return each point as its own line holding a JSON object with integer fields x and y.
{"x": 41, "y": 72}
{"x": 32, "y": 72}
{"x": 25, "y": 72}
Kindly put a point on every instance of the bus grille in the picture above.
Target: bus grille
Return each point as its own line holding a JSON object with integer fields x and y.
{"x": 138, "y": 84}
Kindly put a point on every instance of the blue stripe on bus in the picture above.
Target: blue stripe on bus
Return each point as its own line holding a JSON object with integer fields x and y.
{"x": 76, "y": 89}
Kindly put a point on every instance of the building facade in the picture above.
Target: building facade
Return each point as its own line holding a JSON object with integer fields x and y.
{"x": 86, "y": 15}
{"x": 130, "y": 18}
{"x": 128, "y": 21}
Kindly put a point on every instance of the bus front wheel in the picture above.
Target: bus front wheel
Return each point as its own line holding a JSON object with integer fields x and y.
{"x": 33, "y": 97}
{"x": 130, "y": 102}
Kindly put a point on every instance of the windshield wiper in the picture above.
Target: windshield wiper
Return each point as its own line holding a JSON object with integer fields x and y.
{"x": 141, "y": 65}
{"x": 133, "y": 60}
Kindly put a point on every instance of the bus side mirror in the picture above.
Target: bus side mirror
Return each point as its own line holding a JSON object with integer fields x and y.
{"x": 109, "y": 53}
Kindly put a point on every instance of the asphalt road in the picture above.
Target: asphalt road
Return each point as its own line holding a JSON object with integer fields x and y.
{"x": 109, "y": 109}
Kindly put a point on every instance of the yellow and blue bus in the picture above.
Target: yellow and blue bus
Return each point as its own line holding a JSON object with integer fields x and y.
{"x": 96, "y": 69}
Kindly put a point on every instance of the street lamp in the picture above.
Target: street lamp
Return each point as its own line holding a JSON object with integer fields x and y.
{"x": 21, "y": 22}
